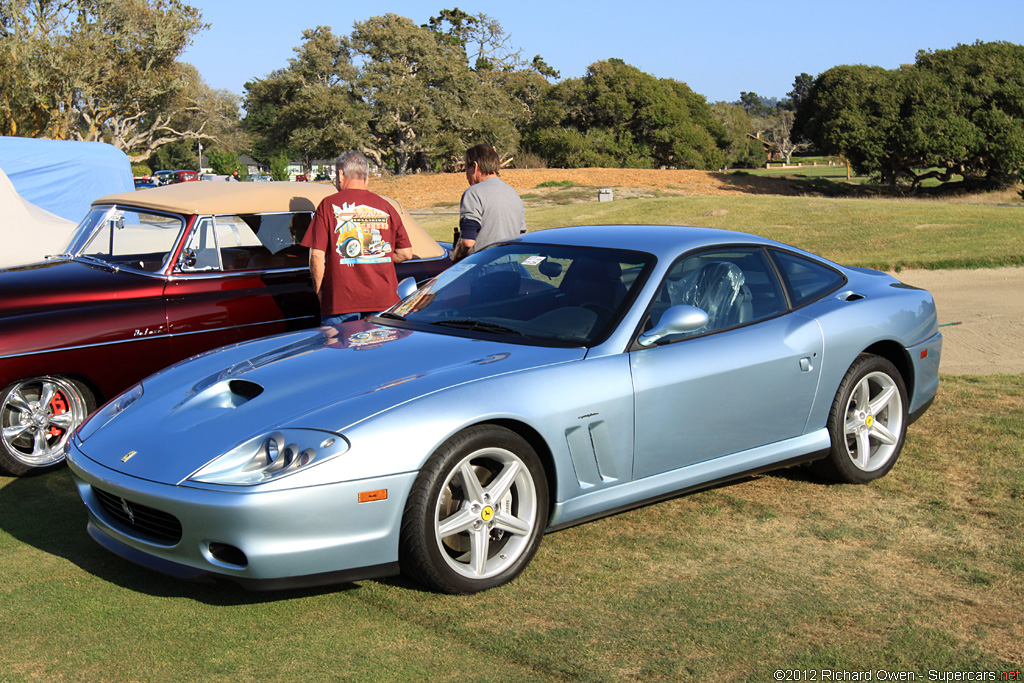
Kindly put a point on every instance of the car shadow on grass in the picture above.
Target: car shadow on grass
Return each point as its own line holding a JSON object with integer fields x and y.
{"x": 46, "y": 513}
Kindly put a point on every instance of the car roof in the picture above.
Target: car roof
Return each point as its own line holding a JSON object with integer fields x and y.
{"x": 228, "y": 198}
{"x": 656, "y": 239}
{"x": 224, "y": 198}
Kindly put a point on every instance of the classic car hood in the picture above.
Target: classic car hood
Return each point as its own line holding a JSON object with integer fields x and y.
{"x": 203, "y": 407}
{"x": 57, "y": 285}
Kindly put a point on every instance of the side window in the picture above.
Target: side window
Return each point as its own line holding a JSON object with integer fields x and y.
{"x": 805, "y": 279}
{"x": 733, "y": 286}
{"x": 200, "y": 253}
{"x": 263, "y": 241}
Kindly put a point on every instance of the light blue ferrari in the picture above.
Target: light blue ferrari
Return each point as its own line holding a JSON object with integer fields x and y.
{"x": 540, "y": 383}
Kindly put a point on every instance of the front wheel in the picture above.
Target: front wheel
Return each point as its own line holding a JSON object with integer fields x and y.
{"x": 867, "y": 423}
{"x": 476, "y": 514}
{"x": 352, "y": 247}
{"x": 37, "y": 417}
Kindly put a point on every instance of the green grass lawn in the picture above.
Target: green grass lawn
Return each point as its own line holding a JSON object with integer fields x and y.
{"x": 922, "y": 570}
{"x": 875, "y": 233}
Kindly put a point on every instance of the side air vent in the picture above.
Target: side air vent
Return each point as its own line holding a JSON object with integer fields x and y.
{"x": 591, "y": 452}
{"x": 849, "y": 296}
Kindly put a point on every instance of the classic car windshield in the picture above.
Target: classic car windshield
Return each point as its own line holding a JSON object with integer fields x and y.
{"x": 126, "y": 238}
{"x": 540, "y": 292}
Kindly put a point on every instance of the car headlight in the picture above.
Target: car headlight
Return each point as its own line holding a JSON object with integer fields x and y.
{"x": 109, "y": 411}
{"x": 272, "y": 456}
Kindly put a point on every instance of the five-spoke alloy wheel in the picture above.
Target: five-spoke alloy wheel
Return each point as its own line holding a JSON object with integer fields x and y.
{"x": 868, "y": 421}
{"x": 476, "y": 514}
{"x": 37, "y": 417}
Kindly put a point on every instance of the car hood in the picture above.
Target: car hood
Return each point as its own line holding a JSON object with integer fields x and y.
{"x": 57, "y": 285}
{"x": 203, "y": 407}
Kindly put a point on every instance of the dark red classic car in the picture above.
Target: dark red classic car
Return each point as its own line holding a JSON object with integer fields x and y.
{"x": 152, "y": 277}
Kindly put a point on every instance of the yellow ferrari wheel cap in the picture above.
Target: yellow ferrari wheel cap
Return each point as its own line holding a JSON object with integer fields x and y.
{"x": 487, "y": 513}
{"x": 870, "y": 420}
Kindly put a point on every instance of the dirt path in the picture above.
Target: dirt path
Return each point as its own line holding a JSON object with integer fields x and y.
{"x": 982, "y": 317}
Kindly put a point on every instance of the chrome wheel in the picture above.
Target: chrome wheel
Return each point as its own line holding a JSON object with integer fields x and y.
{"x": 486, "y": 514}
{"x": 38, "y": 417}
{"x": 874, "y": 422}
{"x": 352, "y": 247}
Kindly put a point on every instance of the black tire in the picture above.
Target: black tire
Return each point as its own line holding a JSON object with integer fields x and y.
{"x": 38, "y": 415}
{"x": 867, "y": 423}
{"x": 458, "y": 541}
{"x": 352, "y": 247}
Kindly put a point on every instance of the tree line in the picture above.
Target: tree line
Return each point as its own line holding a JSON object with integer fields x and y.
{"x": 414, "y": 96}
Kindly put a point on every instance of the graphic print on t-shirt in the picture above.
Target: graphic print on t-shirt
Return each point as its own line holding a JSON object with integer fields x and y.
{"x": 358, "y": 231}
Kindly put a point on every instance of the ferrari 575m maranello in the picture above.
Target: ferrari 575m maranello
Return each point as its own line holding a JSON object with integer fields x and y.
{"x": 540, "y": 383}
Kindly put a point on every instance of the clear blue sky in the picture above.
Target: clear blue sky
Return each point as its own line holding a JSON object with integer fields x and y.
{"x": 718, "y": 47}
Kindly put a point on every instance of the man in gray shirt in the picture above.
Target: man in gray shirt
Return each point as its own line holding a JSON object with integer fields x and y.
{"x": 491, "y": 211}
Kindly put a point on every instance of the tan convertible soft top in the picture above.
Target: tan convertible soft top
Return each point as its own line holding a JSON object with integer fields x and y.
{"x": 209, "y": 198}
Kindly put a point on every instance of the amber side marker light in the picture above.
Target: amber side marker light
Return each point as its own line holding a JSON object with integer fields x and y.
{"x": 370, "y": 496}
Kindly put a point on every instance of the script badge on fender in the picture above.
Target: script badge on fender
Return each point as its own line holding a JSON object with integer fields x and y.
{"x": 129, "y": 455}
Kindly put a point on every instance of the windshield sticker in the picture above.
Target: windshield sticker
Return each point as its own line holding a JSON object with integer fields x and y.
{"x": 534, "y": 260}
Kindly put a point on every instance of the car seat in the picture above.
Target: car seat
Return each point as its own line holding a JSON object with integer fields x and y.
{"x": 719, "y": 290}
{"x": 595, "y": 282}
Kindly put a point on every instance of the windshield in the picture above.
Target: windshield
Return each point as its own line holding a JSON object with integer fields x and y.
{"x": 572, "y": 295}
{"x": 126, "y": 238}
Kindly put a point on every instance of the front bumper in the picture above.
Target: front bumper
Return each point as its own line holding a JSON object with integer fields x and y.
{"x": 262, "y": 540}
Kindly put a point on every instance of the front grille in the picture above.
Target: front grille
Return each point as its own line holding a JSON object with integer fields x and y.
{"x": 139, "y": 520}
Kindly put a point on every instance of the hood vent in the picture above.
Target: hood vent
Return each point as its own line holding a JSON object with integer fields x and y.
{"x": 244, "y": 389}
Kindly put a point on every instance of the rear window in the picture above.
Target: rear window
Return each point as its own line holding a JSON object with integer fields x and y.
{"x": 806, "y": 280}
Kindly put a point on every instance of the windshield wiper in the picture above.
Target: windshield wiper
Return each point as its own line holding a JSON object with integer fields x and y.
{"x": 54, "y": 257}
{"x": 390, "y": 315}
{"x": 98, "y": 261}
{"x": 479, "y": 326}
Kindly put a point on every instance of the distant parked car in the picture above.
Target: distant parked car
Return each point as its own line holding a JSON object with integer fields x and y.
{"x": 302, "y": 178}
{"x": 259, "y": 178}
{"x": 151, "y": 277}
{"x": 321, "y": 177}
{"x": 187, "y": 176}
{"x": 165, "y": 177}
{"x": 144, "y": 183}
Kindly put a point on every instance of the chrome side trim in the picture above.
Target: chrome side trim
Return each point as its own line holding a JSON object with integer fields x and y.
{"x": 178, "y": 277}
{"x": 151, "y": 337}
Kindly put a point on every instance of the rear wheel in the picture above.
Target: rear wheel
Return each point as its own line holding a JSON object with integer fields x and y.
{"x": 868, "y": 422}
{"x": 37, "y": 417}
{"x": 476, "y": 514}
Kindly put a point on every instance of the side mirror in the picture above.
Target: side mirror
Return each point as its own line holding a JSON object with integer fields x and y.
{"x": 406, "y": 287}
{"x": 676, "y": 320}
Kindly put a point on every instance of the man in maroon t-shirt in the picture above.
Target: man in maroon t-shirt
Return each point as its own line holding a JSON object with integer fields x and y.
{"x": 355, "y": 239}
